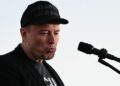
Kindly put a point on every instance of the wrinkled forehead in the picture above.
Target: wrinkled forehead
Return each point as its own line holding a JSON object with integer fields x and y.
{"x": 46, "y": 27}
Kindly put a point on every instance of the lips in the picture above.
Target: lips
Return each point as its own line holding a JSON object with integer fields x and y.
{"x": 51, "y": 50}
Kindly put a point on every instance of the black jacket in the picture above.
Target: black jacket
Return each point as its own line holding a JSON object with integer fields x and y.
{"x": 16, "y": 69}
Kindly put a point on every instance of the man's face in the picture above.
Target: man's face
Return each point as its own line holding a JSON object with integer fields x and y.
{"x": 41, "y": 40}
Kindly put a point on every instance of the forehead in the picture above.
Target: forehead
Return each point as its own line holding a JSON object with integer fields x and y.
{"x": 46, "y": 26}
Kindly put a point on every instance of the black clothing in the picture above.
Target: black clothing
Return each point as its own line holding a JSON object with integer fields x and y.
{"x": 48, "y": 78}
{"x": 16, "y": 69}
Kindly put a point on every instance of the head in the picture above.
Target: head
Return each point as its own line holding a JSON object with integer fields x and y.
{"x": 40, "y": 26}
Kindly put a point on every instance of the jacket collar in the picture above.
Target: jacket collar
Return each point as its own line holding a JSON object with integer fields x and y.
{"x": 20, "y": 53}
{"x": 29, "y": 64}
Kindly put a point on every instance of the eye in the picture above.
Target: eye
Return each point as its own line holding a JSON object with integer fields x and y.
{"x": 56, "y": 32}
{"x": 44, "y": 32}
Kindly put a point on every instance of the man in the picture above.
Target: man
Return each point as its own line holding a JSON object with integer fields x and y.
{"x": 26, "y": 65}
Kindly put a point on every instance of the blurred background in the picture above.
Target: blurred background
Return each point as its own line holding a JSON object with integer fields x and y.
{"x": 96, "y": 22}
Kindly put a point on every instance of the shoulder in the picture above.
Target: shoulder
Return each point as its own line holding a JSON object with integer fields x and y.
{"x": 10, "y": 59}
{"x": 10, "y": 63}
{"x": 7, "y": 58}
{"x": 13, "y": 57}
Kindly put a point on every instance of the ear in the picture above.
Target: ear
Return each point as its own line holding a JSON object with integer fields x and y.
{"x": 23, "y": 32}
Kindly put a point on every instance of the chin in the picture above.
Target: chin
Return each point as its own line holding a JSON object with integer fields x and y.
{"x": 49, "y": 57}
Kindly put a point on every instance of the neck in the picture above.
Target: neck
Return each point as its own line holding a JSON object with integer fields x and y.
{"x": 29, "y": 54}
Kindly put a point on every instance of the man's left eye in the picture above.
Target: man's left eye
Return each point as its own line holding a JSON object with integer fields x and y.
{"x": 44, "y": 32}
{"x": 56, "y": 33}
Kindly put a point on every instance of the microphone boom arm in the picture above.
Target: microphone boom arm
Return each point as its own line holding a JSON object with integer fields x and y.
{"x": 102, "y": 54}
{"x": 109, "y": 65}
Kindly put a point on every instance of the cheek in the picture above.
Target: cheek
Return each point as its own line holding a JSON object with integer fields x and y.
{"x": 39, "y": 43}
{"x": 38, "y": 46}
{"x": 57, "y": 40}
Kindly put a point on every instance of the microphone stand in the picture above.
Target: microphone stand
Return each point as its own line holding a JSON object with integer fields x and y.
{"x": 102, "y": 55}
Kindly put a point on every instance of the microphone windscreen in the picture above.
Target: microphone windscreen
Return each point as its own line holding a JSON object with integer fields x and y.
{"x": 85, "y": 47}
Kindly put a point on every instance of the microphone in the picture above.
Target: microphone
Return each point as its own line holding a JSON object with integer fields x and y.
{"x": 102, "y": 53}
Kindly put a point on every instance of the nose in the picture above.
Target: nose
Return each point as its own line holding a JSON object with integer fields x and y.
{"x": 51, "y": 39}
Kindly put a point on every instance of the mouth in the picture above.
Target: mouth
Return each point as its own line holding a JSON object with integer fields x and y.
{"x": 51, "y": 50}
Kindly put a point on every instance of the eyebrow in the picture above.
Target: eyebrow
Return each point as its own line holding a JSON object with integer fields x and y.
{"x": 47, "y": 30}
